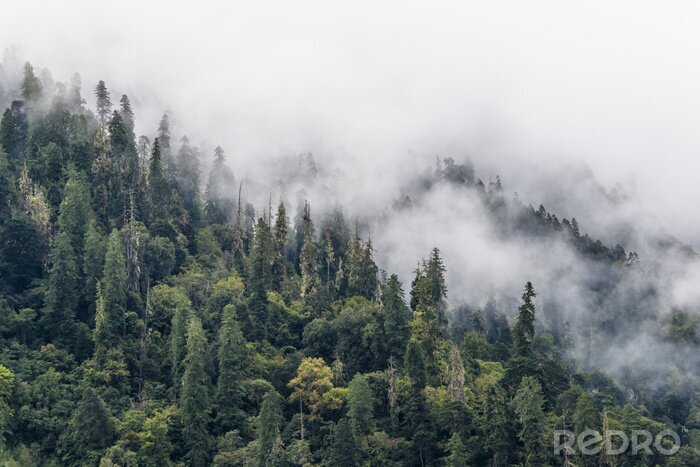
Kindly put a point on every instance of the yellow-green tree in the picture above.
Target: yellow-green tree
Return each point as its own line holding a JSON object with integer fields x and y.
{"x": 312, "y": 381}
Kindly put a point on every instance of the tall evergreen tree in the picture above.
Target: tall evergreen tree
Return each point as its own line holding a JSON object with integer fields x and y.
{"x": 109, "y": 322}
{"x": 360, "y": 407}
{"x": 279, "y": 239}
{"x": 31, "y": 86}
{"x": 308, "y": 263}
{"x": 188, "y": 180}
{"x": 219, "y": 204}
{"x": 524, "y": 330}
{"x": 229, "y": 385}
{"x": 159, "y": 190}
{"x": 101, "y": 170}
{"x": 396, "y": 313}
{"x": 104, "y": 103}
{"x": 178, "y": 342}
{"x": 61, "y": 297}
{"x": 270, "y": 450}
{"x": 91, "y": 426}
{"x": 194, "y": 398}
{"x": 528, "y": 405}
{"x": 458, "y": 454}
{"x": 75, "y": 212}
{"x": 169, "y": 165}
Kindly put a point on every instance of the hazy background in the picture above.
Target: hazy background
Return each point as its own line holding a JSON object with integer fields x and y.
{"x": 565, "y": 100}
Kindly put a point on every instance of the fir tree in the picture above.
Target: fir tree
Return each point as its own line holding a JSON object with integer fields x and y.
{"x": 159, "y": 191}
{"x": 458, "y": 455}
{"x": 91, "y": 426}
{"x": 229, "y": 386}
{"x": 270, "y": 451}
{"x": 75, "y": 212}
{"x": 308, "y": 257}
{"x": 104, "y": 103}
{"x": 61, "y": 298}
{"x": 360, "y": 407}
{"x": 279, "y": 239}
{"x": 528, "y": 405}
{"x": 396, "y": 313}
{"x": 188, "y": 181}
{"x": 219, "y": 205}
{"x": 524, "y": 330}
{"x": 194, "y": 398}
{"x": 101, "y": 169}
{"x": 109, "y": 325}
{"x": 31, "y": 86}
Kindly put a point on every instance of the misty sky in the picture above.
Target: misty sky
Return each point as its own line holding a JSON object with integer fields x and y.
{"x": 531, "y": 90}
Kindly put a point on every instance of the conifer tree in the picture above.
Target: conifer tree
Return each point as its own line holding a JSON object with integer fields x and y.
{"x": 219, "y": 204}
{"x": 178, "y": 343}
{"x": 159, "y": 191}
{"x": 101, "y": 169}
{"x": 344, "y": 450}
{"x": 92, "y": 266}
{"x": 168, "y": 162}
{"x": 229, "y": 386}
{"x": 528, "y": 406}
{"x": 127, "y": 115}
{"x": 62, "y": 297}
{"x": 396, "y": 312}
{"x": 91, "y": 425}
{"x": 308, "y": 257}
{"x": 360, "y": 407}
{"x": 31, "y": 86}
{"x": 194, "y": 398}
{"x": 493, "y": 423}
{"x": 270, "y": 450}
{"x": 109, "y": 322}
{"x": 188, "y": 180}
{"x": 458, "y": 455}
{"x": 8, "y": 194}
{"x": 524, "y": 330}
{"x": 75, "y": 212}
{"x": 104, "y": 103}
{"x": 279, "y": 239}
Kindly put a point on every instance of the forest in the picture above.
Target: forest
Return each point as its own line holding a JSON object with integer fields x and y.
{"x": 150, "y": 315}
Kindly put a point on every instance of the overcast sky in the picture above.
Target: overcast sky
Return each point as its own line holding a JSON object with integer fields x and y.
{"x": 526, "y": 89}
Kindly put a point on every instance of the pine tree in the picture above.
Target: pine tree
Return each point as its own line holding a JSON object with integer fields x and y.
{"x": 104, "y": 103}
{"x": 528, "y": 405}
{"x": 458, "y": 454}
{"x": 62, "y": 295}
{"x": 279, "y": 239}
{"x": 229, "y": 386}
{"x": 219, "y": 205}
{"x": 127, "y": 115}
{"x": 188, "y": 180}
{"x": 91, "y": 425}
{"x": 109, "y": 322}
{"x": 270, "y": 450}
{"x": 159, "y": 190}
{"x": 75, "y": 212}
{"x": 8, "y": 194}
{"x": 396, "y": 315}
{"x": 31, "y": 86}
{"x": 194, "y": 399}
{"x": 360, "y": 407}
{"x": 493, "y": 423}
{"x": 101, "y": 169}
{"x": 178, "y": 343}
{"x": 524, "y": 330}
{"x": 168, "y": 162}
{"x": 308, "y": 257}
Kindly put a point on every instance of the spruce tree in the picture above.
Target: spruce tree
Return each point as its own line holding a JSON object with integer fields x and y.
{"x": 396, "y": 316}
{"x": 270, "y": 451}
{"x": 229, "y": 386}
{"x": 360, "y": 408}
{"x": 159, "y": 190}
{"x": 194, "y": 398}
{"x": 75, "y": 212}
{"x": 188, "y": 180}
{"x": 279, "y": 239}
{"x": 109, "y": 322}
{"x": 62, "y": 295}
{"x": 308, "y": 257}
{"x": 178, "y": 343}
{"x": 31, "y": 86}
{"x": 101, "y": 170}
{"x": 91, "y": 425}
{"x": 458, "y": 455}
{"x": 104, "y": 103}
{"x": 528, "y": 405}
{"x": 219, "y": 204}
{"x": 524, "y": 330}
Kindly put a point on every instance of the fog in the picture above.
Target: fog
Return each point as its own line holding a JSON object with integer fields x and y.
{"x": 567, "y": 101}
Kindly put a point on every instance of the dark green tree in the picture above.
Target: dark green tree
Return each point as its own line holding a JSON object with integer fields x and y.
{"x": 219, "y": 205}
{"x": 111, "y": 297}
{"x": 396, "y": 316}
{"x": 188, "y": 180}
{"x": 194, "y": 398}
{"x": 62, "y": 296}
{"x": 270, "y": 450}
{"x": 104, "y": 103}
{"x": 229, "y": 385}
{"x": 528, "y": 405}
